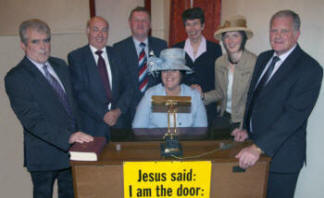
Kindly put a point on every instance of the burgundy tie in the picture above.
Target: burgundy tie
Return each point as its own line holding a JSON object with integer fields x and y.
{"x": 103, "y": 74}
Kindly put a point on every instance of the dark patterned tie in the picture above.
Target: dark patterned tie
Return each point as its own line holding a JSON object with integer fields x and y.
{"x": 142, "y": 74}
{"x": 104, "y": 74}
{"x": 60, "y": 93}
{"x": 262, "y": 83}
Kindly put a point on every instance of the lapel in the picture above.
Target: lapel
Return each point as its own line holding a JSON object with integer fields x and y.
{"x": 44, "y": 89}
{"x": 93, "y": 73}
{"x": 282, "y": 73}
{"x": 113, "y": 69}
{"x": 259, "y": 68}
{"x": 132, "y": 58}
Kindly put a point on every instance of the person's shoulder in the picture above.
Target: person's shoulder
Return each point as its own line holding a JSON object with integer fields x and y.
{"x": 212, "y": 44}
{"x": 155, "y": 40}
{"x": 15, "y": 70}
{"x": 18, "y": 72}
{"x": 57, "y": 62}
{"x": 156, "y": 89}
{"x": 190, "y": 91}
{"x": 266, "y": 53}
{"x": 308, "y": 61}
{"x": 250, "y": 55}
{"x": 179, "y": 44}
{"x": 78, "y": 51}
{"x": 221, "y": 60}
{"x": 123, "y": 42}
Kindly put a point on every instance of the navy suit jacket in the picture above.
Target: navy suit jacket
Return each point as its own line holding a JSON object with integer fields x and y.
{"x": 281, "y": 111}
{"x": 127, "y": 52}
{"x": 47, "y": 126}
{"x": 90, "y": 93}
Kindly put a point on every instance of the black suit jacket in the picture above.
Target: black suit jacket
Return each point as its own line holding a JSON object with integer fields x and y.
{"x": 90, "y": 92}
{"x": 281, "y": 111}
{"x": 47, "y": 126}
{"x": 127, "y": 52}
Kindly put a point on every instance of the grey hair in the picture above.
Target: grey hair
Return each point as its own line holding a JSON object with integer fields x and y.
{"x": 288, "y": 13}
{"x": 35, "y": 24}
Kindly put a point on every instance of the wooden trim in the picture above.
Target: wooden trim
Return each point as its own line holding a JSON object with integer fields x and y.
{"x": 92, "y": 7}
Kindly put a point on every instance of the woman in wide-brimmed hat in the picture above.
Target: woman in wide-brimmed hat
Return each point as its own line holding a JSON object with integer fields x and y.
{"x": 233, "y": 72}
{"x": 172, "y": 68}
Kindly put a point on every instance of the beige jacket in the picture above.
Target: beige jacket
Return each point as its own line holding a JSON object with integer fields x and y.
{"x": 242, "y": 77}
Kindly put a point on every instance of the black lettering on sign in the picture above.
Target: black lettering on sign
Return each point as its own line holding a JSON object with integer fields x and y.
{"x": 144, "y": 192}
{"x": 188, "y": 191}
{"x": 182, "y": 176}
{"x": 151, "y": 176}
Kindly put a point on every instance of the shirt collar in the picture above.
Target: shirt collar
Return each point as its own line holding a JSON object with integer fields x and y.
{"x": 286, "y": 54}
{"x": 137, "y": 42}
{"x": 93, "y": 49}
{"x": 201, "y": 49}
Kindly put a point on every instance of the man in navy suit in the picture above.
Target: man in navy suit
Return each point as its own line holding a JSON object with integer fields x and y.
{"x": 283, "y": 91}
{"x": 130, "y": 50}
{"x": 103, "y": 100}
{"x": 40, "y": 94}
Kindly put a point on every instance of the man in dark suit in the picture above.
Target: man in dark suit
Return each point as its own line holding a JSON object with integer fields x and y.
{"x": 99, "y": 83}
{"x": 40, "y": 94}
{"x": 133, "y": 52}
{"x": 283, "y": 91}
{"x": 201, "y": 55}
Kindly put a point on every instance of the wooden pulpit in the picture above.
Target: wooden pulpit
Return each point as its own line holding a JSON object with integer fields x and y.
{"x": 104, "y": 178}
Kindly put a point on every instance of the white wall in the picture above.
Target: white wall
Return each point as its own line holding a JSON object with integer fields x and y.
{"x": 258, "y": 13}
{"x": 117, "y": 13}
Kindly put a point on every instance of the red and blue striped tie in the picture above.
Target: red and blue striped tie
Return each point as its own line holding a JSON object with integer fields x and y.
{"x": 142, "y": 74}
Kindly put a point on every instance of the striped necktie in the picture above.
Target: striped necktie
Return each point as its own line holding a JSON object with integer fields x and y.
{"x": 60, "y": 93}
{"x": 142, "y": 74}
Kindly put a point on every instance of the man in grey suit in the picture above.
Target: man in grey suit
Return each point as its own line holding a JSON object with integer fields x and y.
{"x": 283, "y": 91}
{"x": 133, "y": 52}
{"x": 99, "y": 83}
{"x": 40, "y": 94}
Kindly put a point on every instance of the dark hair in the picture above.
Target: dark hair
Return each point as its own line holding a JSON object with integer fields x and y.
{"x": 182, "y": 75}
{"x": 244, "y": 38}
{"x": 288, "y": 13}
{"x": 35, "y": 24}
{"x": 139, "y": 9}
{"x": 193, "y": 13}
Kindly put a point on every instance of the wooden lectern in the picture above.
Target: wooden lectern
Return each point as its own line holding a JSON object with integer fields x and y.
{"x": 104, "y": 178}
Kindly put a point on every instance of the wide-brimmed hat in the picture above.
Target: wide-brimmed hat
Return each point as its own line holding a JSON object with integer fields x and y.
{"x": 235, "y": 23}
{"x": 170, "y": 59}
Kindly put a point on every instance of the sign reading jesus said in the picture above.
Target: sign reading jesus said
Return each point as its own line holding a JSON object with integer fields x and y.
{"x": 167, "y": 179}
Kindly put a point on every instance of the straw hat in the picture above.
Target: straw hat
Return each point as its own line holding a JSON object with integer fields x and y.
{"x": 170, "y": 59}
{"x": 236, "y": 23}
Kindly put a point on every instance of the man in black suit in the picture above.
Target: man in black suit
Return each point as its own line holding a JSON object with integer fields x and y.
{"x": 40, "y": 94}
{"x": 283, "y": 91}
{"x": 130, "y": 54}
{"x": 99, "y": 82}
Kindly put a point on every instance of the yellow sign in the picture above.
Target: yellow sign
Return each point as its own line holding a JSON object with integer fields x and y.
{"x": 167, "y": 179}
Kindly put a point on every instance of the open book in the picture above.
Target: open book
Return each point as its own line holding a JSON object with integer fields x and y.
{"x": 87, "y": 151}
